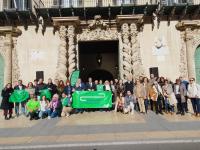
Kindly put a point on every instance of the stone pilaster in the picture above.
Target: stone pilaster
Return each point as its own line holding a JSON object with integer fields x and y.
{"x": 183, "y": 59}
{"x": 15, "y": 64}
{"x": 72, "y": 50}
{"x": 8, "y": 58}
{"x": 190, "y": 53}
{"x": 62, "y": 55}
{"x": 190, "y": 34}
{"x": 137, "y": 66}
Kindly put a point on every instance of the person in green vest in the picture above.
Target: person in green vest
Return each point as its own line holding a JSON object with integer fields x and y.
{"x": 33, "y": 106}
{"x": 66, "y": 105}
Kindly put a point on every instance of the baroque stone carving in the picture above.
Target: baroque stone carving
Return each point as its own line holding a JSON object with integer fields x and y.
{"x": 97, "y": 23}
{"x": 137, "y": 66}
{"x": 71, "y": 50}
{"x": 62, "y": 59}
{"x": 97, "y": 34}
{"x": 183, "y": 60}
{"x": 126, "y": 52}
{"x": 15, "y": 66}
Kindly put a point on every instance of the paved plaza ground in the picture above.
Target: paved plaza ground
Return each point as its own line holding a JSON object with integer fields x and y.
{"x": 101, "y": 130}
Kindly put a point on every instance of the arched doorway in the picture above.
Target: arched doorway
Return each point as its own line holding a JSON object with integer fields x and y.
{"x": 1, "y": 73}
{"x": 197, "y": 64}
{"x": 101, "y": 75}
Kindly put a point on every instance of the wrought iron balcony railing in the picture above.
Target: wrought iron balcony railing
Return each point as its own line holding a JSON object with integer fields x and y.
{"x": 29, "y": 4}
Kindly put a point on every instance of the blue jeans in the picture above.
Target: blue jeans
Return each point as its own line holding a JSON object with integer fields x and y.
{"x": 146, "y": 104}
{"x": 196, "y": 105}
{"x": 42, "y": 113}
{"x": 52, "y": 114}
{"x": 22, "y": 108}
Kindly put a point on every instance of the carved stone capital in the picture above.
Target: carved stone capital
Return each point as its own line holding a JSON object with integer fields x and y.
{"x": 65, "y": 21}
{"x": 10, "y": 30}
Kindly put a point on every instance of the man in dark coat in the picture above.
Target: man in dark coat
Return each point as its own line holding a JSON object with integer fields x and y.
{"x": 20, "y": 86}
{"x": 128, "y": 86}
{"x": 5, "y": 104}
{"x": 40, "y": 86}
{"x": 90, "y": 86}
{"x": 52, "y": 87}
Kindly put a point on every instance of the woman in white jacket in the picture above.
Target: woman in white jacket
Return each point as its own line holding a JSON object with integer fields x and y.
{"x": 194, "y": 95}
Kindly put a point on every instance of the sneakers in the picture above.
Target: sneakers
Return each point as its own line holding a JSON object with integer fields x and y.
{"x": 49, "y": 117}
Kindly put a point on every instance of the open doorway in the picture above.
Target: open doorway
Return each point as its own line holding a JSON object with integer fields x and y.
{"x": 99, "y": 60}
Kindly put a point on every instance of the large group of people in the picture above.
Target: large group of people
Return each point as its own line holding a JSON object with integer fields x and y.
{"x": 157, "y": 94}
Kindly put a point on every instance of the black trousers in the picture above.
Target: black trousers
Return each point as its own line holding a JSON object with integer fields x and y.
{"x": 34, "y": 115}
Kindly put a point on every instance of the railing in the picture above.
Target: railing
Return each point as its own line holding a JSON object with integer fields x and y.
{"x": 15, "y": 4}
{"x": 27, "y": 4}
{"x": 91, "y": 3}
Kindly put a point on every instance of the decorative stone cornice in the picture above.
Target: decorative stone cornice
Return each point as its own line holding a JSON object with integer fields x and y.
{"x": 66, "y": 21}
{"x": 183, "y": 25}
{"x": 138, "y": 19}
{"x": 10, "y": 30}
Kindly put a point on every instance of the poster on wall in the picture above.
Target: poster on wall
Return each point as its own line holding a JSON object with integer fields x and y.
{"x": 160, "y": 49}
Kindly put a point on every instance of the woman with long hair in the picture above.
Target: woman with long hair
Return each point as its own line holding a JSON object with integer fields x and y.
{"x": 5, "y": 104}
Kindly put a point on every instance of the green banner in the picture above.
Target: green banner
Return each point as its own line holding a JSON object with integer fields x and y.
{"x": 45, "y": 93}
{"x": 19, "y": 96}
{"x": 74, "y": 77}
{"x": 92, "y": 99}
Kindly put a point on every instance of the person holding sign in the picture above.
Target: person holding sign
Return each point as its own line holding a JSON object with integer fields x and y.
{"x": 66, "y": 105}
{"x": 5, "y": 104}
{"x": 20, "y": 86}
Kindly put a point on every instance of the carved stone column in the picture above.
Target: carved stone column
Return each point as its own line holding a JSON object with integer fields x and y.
{"x": 131, "y": 62}
{"x": 68, "y": 51}
{"x": 190, "y": 53}
{"x": 191, "y": 38}
{"x": 8, "y": 58}
{"x": 15, "y": 65}
{"x": 137, "y": 66}
{"x": 183, "y": 59}
{"x": 126, "y": 52}
{"x": 62, "y": 55}
{"x": 71, "y": 50}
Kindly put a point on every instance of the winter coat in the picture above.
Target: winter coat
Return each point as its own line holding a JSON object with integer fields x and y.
{"x": 5, "y": 104}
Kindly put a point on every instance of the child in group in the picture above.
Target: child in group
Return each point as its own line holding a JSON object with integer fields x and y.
{"x": 66, "y": 105}
{"x": 55, "y": 107}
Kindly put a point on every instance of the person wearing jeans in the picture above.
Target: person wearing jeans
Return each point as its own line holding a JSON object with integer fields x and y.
{"x": 20, "y": 86}
{"x": 129, "y": 103}
{"x": 54, "y": 107}
{"x": 194, "y": 95}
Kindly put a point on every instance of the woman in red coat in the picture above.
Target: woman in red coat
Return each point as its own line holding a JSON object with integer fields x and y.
{"x": 5, "y": 104}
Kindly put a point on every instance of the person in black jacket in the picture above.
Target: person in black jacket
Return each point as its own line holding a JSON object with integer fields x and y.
{"x": 5, "y": 104}
{"x": 129, "y": 85}
{"x": 20, "y": 86}
{"x": 40, "y": 86}
{"x": 90, "y": 86}
{"x": 52, "y": 87}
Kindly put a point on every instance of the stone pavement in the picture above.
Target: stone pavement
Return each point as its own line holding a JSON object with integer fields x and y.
{"x": 99, "y": 127}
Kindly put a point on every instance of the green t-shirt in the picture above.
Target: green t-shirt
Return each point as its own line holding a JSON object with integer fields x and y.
{"x": 33, "y": 105}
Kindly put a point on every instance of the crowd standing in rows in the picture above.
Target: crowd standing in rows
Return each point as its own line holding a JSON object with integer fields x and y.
{"x": 143, "y": 95}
